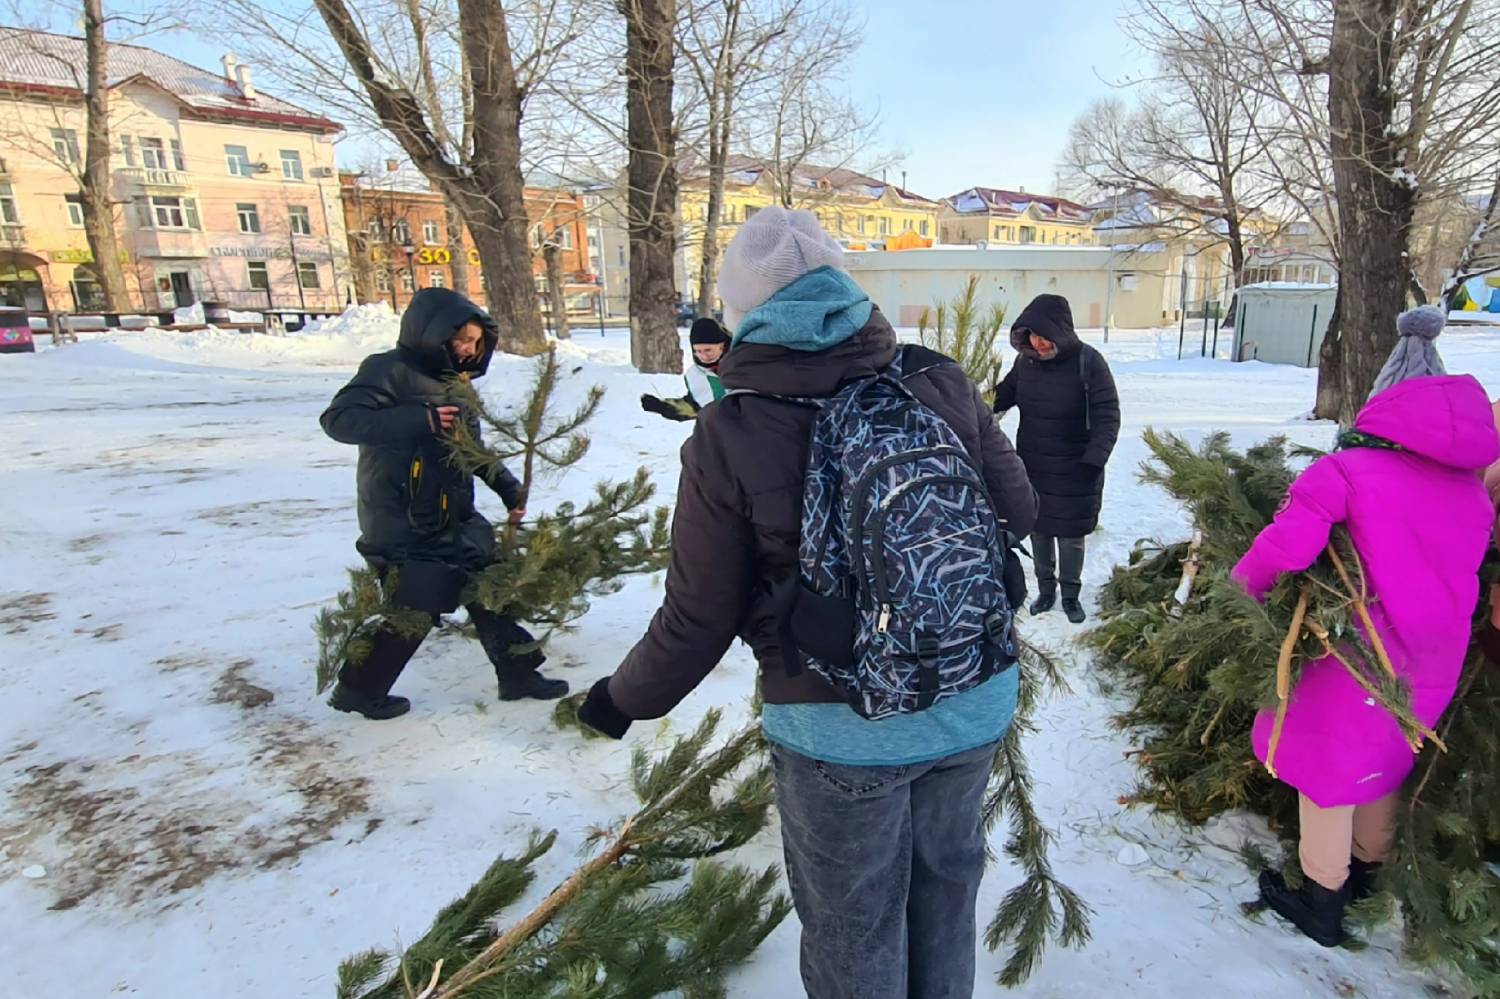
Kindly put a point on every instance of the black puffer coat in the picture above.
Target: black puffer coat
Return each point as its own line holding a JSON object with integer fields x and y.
{"x": 412, "y": 502}
{"x": 739, "y": 510}
{"x": 1070, "y": 417}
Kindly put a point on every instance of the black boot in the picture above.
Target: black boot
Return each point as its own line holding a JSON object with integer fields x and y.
{"x": 1074, "y": 610}
{"x": 532, "y": 684}
{"x": 1313, "y": 909}
{"x": 1043, "y": 603}
{"x": 346, "y": 698}
{"x": 1362, "y": 875}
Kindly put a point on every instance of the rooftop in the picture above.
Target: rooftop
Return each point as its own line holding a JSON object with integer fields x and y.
{"x": 746, "y": 171}
{"x": 1012, "y": 204}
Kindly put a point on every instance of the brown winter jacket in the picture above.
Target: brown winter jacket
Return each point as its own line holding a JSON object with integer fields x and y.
{"x": 739, "y": 505}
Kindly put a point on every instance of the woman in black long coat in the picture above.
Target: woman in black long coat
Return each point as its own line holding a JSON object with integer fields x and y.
{"x": 1070, "y": 419}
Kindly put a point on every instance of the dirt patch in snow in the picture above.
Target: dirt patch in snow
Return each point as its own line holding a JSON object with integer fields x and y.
{"x": 140, "y": 831}
{"x": 19, "y": 611}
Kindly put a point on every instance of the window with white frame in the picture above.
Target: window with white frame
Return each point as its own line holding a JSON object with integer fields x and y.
{"x": 8, "y": 213}
{"x": 167, "y": 212}
{"x": 300, "y": 220}
{"x": 127, "y": 149}
{"x": 437, "y": 279}
{"x": 564, "y": 237}
{"x": 65, "y": 145}
{"x": 430, "y": 234}
{"x": 179, "y": 162}
{"x": 260, "y": 279}
{"x": 407, "y": 284}
{"x": 307, "y": 274}
{"x": 238, "y": 159}
{"x": 153, "y": 153}
{"x": 922, "y": 228}
{"x": 248, "y": 215}
{"x": 75, "y": 210}
{"x": 377, "y": 231}
{"x": 885, "y": 225}
{"x": 401, "y": 232}
{"x": 291, "y": 164}
{"x": 382, "y": 281}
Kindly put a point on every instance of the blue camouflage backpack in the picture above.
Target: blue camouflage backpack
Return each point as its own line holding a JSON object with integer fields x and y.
{"x": 900, "y": 599}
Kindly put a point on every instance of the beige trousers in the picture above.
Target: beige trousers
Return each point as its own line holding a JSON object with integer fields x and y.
{"x": 1331, "y": 835}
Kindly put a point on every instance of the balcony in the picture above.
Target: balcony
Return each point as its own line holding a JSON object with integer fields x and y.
{"x": 169, "y": 243}
{"x": 154, "y": 179}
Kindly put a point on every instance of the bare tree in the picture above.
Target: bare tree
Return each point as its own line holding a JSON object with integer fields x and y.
{"x": 557, "y": 297}
{"x": 1479, "y": 255}
{"x": 650, "y": 51}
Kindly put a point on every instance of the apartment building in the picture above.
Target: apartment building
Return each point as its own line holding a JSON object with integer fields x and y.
{"x": 993, "y": 215}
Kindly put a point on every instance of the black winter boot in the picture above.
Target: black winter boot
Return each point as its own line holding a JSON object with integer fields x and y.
{"x": 1043, "y": 603}
{"x": 1362, "y": 875}
{"x": 1313, "y": 909}
{"x": 345, "y": 698}
{"x": 533, "y": 685}
{"x": 1074, "y": 610}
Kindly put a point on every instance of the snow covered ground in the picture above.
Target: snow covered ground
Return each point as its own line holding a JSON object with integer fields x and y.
{"x": 185, "y": 818}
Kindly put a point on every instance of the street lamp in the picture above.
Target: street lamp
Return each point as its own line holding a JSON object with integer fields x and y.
{"x": 411, "y": 268}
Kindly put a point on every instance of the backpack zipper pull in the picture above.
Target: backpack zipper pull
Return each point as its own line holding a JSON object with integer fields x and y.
{"x": 884, "y": 623}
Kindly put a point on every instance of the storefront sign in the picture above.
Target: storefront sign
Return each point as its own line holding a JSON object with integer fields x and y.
{"x": 267, "y": 253}
{"x": 72, "y": 256}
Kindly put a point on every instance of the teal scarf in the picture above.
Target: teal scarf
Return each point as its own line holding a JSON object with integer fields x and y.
{"x": 819, "y": 310}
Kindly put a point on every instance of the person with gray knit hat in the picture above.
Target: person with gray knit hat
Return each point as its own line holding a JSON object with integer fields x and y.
{"x": 1415, "y": 354}
{"x": 880, "y": 819}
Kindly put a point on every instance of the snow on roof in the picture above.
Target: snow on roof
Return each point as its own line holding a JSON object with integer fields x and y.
{"x": 746, "y": 171}
{"x": 1011, "y": 204}
{"x": 54, "y": 63}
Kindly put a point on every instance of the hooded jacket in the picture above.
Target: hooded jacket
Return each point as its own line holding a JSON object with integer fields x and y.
{"x": 1420, "y": 520}
{"x": 738, "y": 518}
{"x": 412, "y": 502}
{"x": 1070, "y": 417}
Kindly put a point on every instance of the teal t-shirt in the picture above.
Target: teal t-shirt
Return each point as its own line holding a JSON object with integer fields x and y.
{"x": 835, "y": 734}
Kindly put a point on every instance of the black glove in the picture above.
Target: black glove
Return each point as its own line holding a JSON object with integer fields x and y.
{"x": 599, "y": 713}
{"x": 652, "y": 404}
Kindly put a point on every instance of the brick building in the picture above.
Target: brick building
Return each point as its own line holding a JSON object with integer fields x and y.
{"x": 399, "y": 241}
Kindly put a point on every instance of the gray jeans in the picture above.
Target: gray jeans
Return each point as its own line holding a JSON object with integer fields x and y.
{"x": 884, "y": 865}
{"x": 1054, "y": 554}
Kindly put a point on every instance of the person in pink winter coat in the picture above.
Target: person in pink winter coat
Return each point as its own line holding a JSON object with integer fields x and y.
{"x": 1406, "y": 485}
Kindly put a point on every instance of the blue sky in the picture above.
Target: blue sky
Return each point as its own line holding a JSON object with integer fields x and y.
{"x": 976, "y": 92}
{"x": 970, "y": 92}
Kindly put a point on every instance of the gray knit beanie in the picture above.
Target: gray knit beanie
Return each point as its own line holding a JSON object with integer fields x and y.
{"x": 1415, "y": 354}
{"x": 774, "y": 248}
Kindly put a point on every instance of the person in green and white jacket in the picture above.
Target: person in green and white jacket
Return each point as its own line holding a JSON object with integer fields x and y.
{"x": 710, "y": 343}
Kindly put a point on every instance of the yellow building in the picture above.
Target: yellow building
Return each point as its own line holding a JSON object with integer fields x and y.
{"x": 990, "y": 215}
{"x": 859, "y": 211}
{"x": 222, "y": 193}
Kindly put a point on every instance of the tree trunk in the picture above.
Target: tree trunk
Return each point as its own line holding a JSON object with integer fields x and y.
{"x": 458, "y": 253}
{"x": 1374, "y": 205}
{"x": 718, "y": 154}
{"x": 501, "y": 189}
{"x": 556, "y": 293}
{"x": 650, "y": 29}
{"x": 93, "y": 193}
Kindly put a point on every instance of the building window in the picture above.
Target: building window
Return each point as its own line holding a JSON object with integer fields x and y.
{"x": 178, "y": 162}
{"x": 153, "y": 154}
{"x": 377, "y": 231}
{"x": 407, "y": 284}
{"x": 382, "y": 281}
{"x": 260, "y": 280}
{"x": 622, "y": 257}
{"x": 728, "y": 213}
{"x": 564, "y": 237}
{"x": 997, "y": 233}
{"x": 860, "y": 226}
{"x": 307, "y": 275}
{"x": 291, "y": 164}
{"x": 885, "y": 226}
{"x": 437, "y": 279}
{"x": 922, "y": 227}
{"x": 750, "y": 211}
{"x": 127, "y": 150}
{"x": 430, "y": 232}
{"x": 1028, "y": 234}
{"x": 299, "y": 219}
{"x": 238, "y": 158}
{"x": 401, "y": 232}
{"x": 65, "y": 145}
{"x": 161, "y": 212}
{"x": 75, "y": 210}
{"x": 249, "y": 217}
{"x": 8, "y": 213}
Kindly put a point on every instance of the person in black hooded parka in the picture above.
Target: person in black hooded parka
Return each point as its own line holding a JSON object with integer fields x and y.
{"x": 1070, "y": 419}
{"x": 416, "y": 510}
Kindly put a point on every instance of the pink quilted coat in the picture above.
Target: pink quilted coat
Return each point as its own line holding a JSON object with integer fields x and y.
{"x": 1421, "y": 520}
